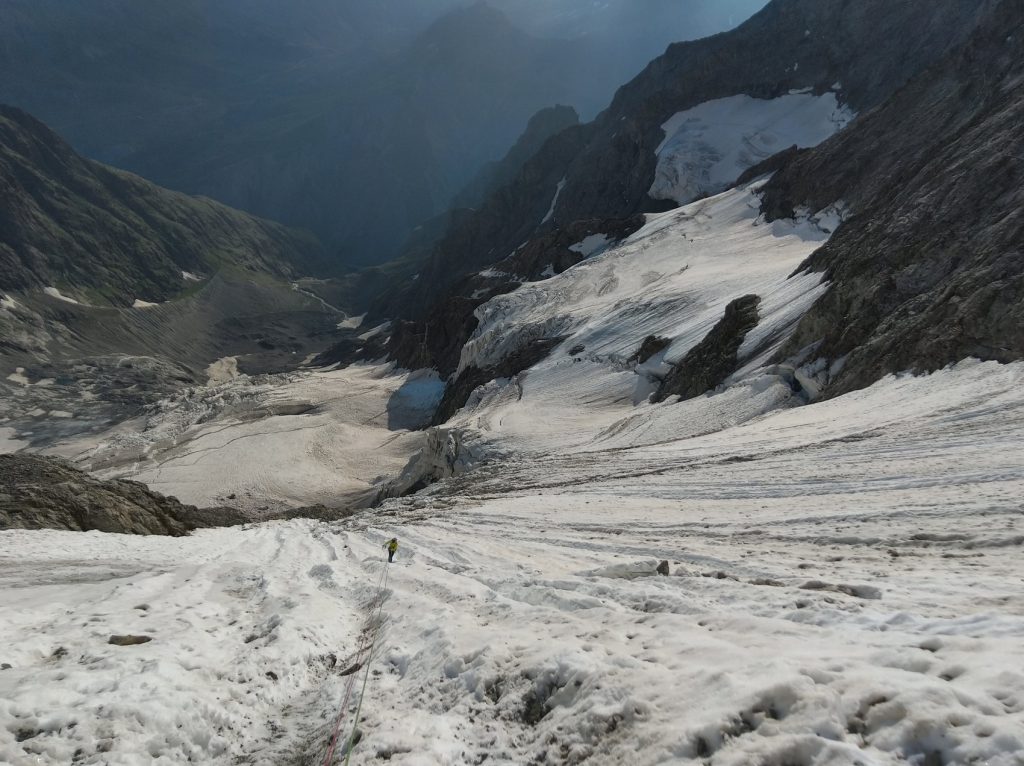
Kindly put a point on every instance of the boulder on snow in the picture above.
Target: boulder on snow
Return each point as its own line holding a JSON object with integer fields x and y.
{"x": 129, "y": 640}
{"x": 662, "y": 568}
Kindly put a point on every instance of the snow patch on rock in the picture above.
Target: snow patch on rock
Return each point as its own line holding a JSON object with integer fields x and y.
{"x": 592, "y": 245}
{"x": 708, "y": 147}
{"x": 53, "y": 292}
{"x": 554, "y": 200}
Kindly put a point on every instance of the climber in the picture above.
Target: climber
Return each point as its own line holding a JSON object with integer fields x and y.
{"x": 392, "y": 546}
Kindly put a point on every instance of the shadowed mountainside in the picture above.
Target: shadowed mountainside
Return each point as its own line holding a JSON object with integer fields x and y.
{"x": 357, "y": 120}
{"x": 109, "y": 237}
{"x": 602, "y": 171}
{"x": 929, "y": 267}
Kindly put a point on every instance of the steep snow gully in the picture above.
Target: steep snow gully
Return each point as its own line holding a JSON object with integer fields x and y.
{"x": 845, "y": 583}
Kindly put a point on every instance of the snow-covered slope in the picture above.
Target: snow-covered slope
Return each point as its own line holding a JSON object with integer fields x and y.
{"x": 844, "y": 576}
{"x": 844, "y": 589}
{"x": 673, "y": 279}
{"x": 271, "y": 442}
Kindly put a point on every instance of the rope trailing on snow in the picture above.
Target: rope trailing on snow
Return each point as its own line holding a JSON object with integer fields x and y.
{"x": 367, "y": 642}
{"x": 366, "y": 676}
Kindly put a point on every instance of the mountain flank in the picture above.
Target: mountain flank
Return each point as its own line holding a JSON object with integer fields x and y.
{"x": 856, "y": 55}
{"x": 110, "y": 238}
{"x": 929, "y": 267}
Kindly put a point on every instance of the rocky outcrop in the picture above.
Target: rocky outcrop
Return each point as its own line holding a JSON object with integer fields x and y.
{"x": 436, "y": 340}
{"x": 39, "y": 492}
{"x": 652, "y": 344}
{"x": 477, "y": 239}
{"x": 458, "y": 391}
{"x": 442, "y": 457}
{"x": 48, "y": 493}
{"x": 929, "y": 266}
{"x": 106, "y": 237}
{"x": 712, "y": 360}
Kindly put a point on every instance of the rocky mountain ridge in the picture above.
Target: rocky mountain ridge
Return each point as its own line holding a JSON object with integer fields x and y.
{"x": 308, "y": 114}
{"x": 107, "y": 237}
{"x": 115, "y": 292}
{"x": 602, "y": 172}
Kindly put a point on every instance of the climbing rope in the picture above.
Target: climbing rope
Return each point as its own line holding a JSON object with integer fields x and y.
{"x": 367, "y": 642}
{"x": 366, "y": 676}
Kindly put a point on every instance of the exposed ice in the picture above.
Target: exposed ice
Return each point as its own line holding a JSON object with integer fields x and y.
{"x": 591, "y": 245}
{"x": 672, "y": 278}
{"x": 708, "y": 147}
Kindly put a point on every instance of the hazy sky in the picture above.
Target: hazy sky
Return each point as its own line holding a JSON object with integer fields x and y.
{"x": 609, "y": 17}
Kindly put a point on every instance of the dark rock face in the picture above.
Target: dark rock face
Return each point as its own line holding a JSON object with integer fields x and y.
{"x": 929, "y": 266}
{"x": 652, "y": 344}
{"x": 74, "y": 224}
{"x": 542, "y": 126}
{"x": 712, "y": 360}
{"x": 458, "y": 391}
{"x": 47, "y": 493}
{"x": 871, "y": 48}
{"x": 477, "y": 239}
